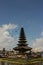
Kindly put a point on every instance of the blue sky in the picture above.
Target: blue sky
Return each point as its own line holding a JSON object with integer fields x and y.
{"x": 28, "y": 13}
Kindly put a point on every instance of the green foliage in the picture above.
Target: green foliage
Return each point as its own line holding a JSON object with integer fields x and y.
{"x": 21, "y": 60}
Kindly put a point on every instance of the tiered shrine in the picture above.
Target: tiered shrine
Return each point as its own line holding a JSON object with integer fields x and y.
{"x": 22, "y": 46}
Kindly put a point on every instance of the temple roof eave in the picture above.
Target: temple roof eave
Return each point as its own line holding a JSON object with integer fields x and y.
{"x": 26, "y": 48}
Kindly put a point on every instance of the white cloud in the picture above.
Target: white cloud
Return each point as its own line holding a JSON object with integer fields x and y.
{"x": 42, "y": 33}
{"x": 6, "y": 40}
{"x": 38, "y": 44}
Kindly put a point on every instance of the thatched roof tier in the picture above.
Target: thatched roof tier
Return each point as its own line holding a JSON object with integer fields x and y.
{"x": 22, "y": 47}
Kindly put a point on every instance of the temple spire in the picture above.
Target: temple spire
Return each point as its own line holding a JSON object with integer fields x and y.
{"x": 22, "y": 35}
{"x": 22, "y": 46}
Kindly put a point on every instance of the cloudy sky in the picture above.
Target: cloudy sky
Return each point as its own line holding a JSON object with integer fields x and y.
{"x": 14, "y": 14}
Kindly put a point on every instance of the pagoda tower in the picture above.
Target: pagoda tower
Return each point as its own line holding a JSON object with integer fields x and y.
{"x": 22, "y": 46}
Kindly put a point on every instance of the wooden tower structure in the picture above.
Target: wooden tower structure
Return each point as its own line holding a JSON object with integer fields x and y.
{"x": 22, "y": 46}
